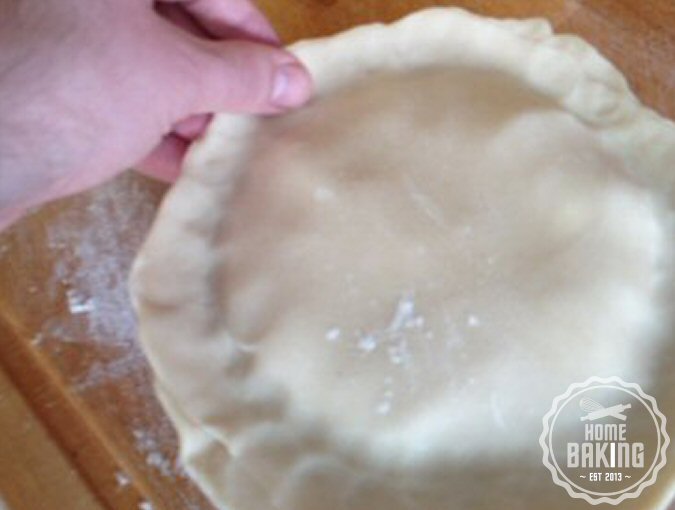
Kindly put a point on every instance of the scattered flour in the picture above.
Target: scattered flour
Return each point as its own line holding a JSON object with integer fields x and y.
{"x": 404, "y": 315}
{"x": 407, "y": 336}
{"x": 89, "y": 327}
{"x": 384, "y": 407}
{"x": 93, "y": 244}
{"x": 147, "y": 444}
{"x": 79, "y": 303}
{"x": 472, "y": 321}
{"x": 96, "y": 243}
{"x": 398, "y": 353}
{"x": 37, "y": 339}
{"x": 367, "y": 343}
{"x": 404, "y": 322}
{"x": 122, "y": 479}
{"x": 333, "y": 334}
{"x": 385, "y": 404}
{"x": 102, "y": 372}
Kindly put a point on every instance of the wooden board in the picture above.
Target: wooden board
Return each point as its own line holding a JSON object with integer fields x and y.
{"x": 67, "y": 334}
{"x": 34, "y": 472}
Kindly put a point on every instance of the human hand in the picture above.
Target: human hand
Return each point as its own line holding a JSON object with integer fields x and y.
{"x": 87, "y": 89}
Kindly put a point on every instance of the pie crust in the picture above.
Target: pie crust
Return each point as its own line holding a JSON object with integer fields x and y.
{"x": 370, "y": 303}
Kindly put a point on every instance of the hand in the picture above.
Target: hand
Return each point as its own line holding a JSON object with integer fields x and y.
{"x": 88, "y": 88}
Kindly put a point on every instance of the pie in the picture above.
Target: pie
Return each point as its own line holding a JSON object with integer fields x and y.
{"x": 370, "y": 303}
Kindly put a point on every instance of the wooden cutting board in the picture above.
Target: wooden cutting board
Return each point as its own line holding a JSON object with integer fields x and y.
{"x": 79, "y": 425}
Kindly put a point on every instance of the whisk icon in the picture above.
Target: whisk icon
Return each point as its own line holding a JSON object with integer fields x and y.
{"x": 597, "y": 411}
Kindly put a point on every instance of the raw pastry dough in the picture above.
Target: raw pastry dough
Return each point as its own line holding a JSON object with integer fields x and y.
{"x": 372, "y": 302}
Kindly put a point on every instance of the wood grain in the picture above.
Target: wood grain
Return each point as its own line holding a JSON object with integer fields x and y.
{"x": 34, "y": 473}
{"x": 66, "y": 334}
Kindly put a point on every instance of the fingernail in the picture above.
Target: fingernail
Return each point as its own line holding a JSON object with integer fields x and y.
{"x": 291, "y": 86}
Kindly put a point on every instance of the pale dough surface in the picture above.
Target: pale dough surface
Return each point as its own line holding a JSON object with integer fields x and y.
{"x": 372, "y": 302}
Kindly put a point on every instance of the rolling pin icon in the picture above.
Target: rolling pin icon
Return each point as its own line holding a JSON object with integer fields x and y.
{"x": 597, "y": 411}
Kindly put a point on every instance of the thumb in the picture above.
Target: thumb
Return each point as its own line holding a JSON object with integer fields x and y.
{"x": 245, "y": 77}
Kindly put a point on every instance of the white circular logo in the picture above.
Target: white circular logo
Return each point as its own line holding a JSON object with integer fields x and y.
{"x": 604, "y": 440}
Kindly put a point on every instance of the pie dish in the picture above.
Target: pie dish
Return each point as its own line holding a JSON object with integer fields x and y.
{"x": 371, "y": 303}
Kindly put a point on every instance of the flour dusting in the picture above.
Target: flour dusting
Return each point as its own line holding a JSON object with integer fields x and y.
{"x": 79, "y": 303}
{"x": 93, "y": 244}
{"x": 122, "y": 479}
{"x": 367, "y": 343}
{"x": 97, "y": 244}
{"x": 148, "y": 444}
{"x": 333, "y": 334}
{"x": 472, "y": 321}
